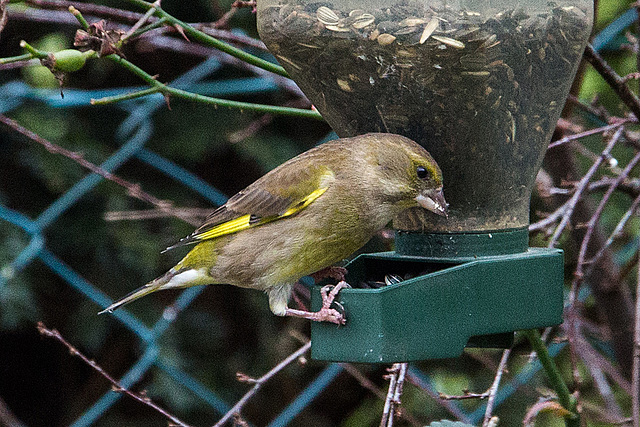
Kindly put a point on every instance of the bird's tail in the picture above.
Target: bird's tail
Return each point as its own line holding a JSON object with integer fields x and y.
{"x": 154, "y": 285}
{"x": 193, "y": 270}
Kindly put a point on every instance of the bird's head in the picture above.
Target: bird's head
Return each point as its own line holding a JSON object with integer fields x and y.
{"x": 408, "y": 174}
{"x": 428, "y": 183}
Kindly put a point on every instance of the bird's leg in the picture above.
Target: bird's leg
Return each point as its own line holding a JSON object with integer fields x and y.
{"x": 337, "y": 273}
{"x": 326, "y": 313}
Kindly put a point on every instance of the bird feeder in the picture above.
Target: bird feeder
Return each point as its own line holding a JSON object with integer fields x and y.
{"x": 480, "y": 84}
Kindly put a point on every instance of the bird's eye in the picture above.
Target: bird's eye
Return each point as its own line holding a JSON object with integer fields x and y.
{"x": 422, "y": 172}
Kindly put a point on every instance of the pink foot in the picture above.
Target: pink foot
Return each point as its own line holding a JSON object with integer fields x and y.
{"x": 326, "y": 313}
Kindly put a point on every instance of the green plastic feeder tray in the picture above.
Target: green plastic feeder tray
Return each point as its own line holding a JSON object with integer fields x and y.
{"x": 452, "y": 299}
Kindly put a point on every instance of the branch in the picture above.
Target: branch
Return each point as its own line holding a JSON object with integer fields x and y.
{"x": 88, "y": 8}
{"x": 203, "y": 38}
{"x": 198, "y": 214}
{"x": 635, "y": 373}
{"x": 567, "y": 401}
{"x": 493, "y": 390}
{"x": 579, "y": 273}
{"x": 397, "y": 374}
{"x": 133, "y": 190}
{"x": 589, "y": 132}
{"x": 617, "y": 83}
{"x": 582, "y": 185}
{"x": 179, "y": 93}
{"x": 115, "y": 385}
{"x": 258, "y": 383}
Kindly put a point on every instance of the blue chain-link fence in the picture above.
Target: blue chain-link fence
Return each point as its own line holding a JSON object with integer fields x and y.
{"x": 134, "y": 132}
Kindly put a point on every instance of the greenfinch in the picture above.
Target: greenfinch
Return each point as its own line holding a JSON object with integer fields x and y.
{"x": 305, "y": 215}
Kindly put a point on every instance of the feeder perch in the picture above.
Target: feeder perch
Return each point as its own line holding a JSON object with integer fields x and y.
{"x": 480, "y": 84}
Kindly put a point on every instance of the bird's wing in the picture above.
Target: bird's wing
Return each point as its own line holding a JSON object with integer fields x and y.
{"x": 277, "y": 195}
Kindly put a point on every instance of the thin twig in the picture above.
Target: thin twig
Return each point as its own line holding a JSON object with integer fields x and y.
{"x": 635, "y": 373}
{"x": 617, "y": 83}
{"x": 582, "y": 185}
{"x": 369, "y": 385}
{"x": 7, "y": 418}
{"x": 168, "y": 91}
{"x": 467, "y": 395}
{"x": 198, "y": 214}
{"x": 115, "y": 385}
{"x": 88, "y": 8}
{"x": 616, "y": 231}
{"x": 592, "y": 360}
{"x": 565, "y": 398}
{"x": 591, "y": 226}
{"x": 399, "y": 389}
{"x": 397, "y": 374}
{"x": 205, "y": 39}
{"x": 133, "y": 190}
{"x": 546, "y": 222}
{"x": 589, "y": 132}
{"x": 447, "y": 405}
{"x": 604, "y": 115}
{"x": 542, "y": 406}
{"x": 258, "y": 383}
{"x": 142, "y": 20}
{"x": 493, "y": 390}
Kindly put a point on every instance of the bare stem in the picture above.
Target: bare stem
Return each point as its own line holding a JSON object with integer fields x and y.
{"x": 589, "y": 132}
{"x": 635, "y": 373}
{"x": 115, "y": 385}
{"x": 555, "y": 378}
{"x": 205, "y": 39}
{"x": 133, "y": 190}
{"x": 397, "y": 374}
{"x": 258, "y": 383}
{"x": 582, "y": 185}
{"x": 493, "y": 390}
{"x": 617, "y": 83}
{"x": 168, "y": 91}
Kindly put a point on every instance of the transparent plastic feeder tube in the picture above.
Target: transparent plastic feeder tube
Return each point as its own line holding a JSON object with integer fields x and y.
{"x": 480, "y": 84}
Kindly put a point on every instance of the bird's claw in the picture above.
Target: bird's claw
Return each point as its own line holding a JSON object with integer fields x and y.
{"x": 330, "y": 315}
{"x": 326, "y": 313}
{"x": 329, "y": 294}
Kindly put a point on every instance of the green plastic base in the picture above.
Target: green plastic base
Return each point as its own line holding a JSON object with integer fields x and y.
{"x": 447, "y": 304}
{"x": 462, "y": 245}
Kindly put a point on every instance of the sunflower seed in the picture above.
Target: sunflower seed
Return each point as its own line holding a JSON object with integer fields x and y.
{"x": 337, "y": 29}
{"x": 327, "y": 16}
{"x": 344, "y": 85}
{"x": 449, "y": 41}
{"x": 363, "y": 20}
{"x": 406, "y": 30}
{"x": 429, "y": 29}
{"x": 386, "y": 39}
{"x": 412, "y": 22}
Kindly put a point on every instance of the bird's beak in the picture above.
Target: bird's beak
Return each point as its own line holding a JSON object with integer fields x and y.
{"x": 433, "y": 200}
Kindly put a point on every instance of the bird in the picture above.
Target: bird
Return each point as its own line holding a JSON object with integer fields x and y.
{"x": 304, "y": 216}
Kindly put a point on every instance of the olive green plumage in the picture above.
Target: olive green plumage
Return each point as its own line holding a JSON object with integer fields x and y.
{"x": 307, "y": 214}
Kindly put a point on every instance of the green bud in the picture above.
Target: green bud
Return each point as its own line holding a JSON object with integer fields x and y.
{"x": 68, "y": 60}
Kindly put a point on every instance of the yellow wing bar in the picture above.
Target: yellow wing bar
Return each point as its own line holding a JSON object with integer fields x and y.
{"x": 244, "y": 222}
{"x": 229, "y": 227}
{"x": 304, "y": 203}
